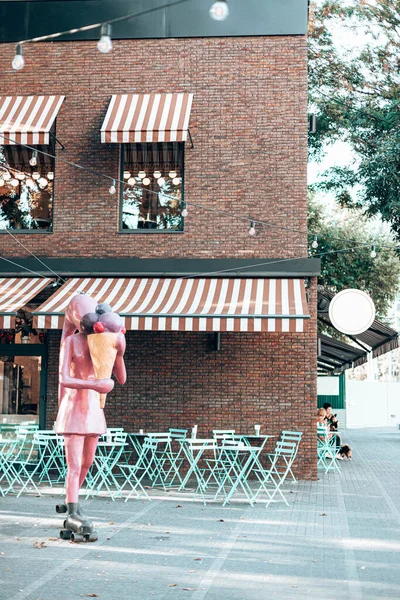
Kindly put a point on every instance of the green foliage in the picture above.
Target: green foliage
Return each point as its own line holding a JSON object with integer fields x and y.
{"x": 356, "y": 98}
{"x": 342, "y": 269}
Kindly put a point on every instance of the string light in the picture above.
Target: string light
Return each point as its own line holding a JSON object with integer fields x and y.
{"x": 112, "y": 189}
{"x": 157, "y": 174}
{"x": 42, "y": 181}
{"x": 33, "y": 159}
{"x": 50, "y": 175}
{"x": 131, "y": 181}
{"x": 252, "y": 230}
{"x": 219, "y": 11}
{"x": 35, "y": 175}
{"x": 14, "y": 182}
{"x": 104, "y": 45}
{"x": 315, "y": 242}
{"x": 373, "y": 252}
{"x": 161, "y": 181}
{"x": 29, "y": 181}
{"x": 172, "y": 174}
{"x": 18, "y": 60}
{"x": 127, "y": 174}
{"x": 176, "y": 181}
{"x": 146, "y": 181}
{"x": 185, "y": 211}
{"x": 6, "y": 176}
{"x": 20, "y": 176}
{"x": 142, "y": 174}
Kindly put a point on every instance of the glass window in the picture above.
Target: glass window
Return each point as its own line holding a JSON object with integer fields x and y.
{"x": 26, "y": 190}
{"x": 152, "y": 196}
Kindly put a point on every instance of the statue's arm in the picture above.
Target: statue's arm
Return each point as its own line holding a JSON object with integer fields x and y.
{"x": 119, "y": 369}
{"x": 103, "y": 386}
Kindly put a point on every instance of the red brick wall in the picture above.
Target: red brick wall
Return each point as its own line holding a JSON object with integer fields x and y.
{"x": 177, "y": 380}
{"x": 248, "y": 124}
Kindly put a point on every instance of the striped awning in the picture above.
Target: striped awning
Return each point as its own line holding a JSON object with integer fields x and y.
{"x": 134, "y": 118}
{"x": 15, "y": 293}
{"x": 167, "y": 304}
{"x": 27, "y": 119}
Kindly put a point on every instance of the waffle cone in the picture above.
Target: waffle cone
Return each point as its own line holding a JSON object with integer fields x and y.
{"x": 103, "y": 352}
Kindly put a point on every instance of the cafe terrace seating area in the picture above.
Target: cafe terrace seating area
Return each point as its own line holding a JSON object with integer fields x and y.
{"x": 225, "y": 467}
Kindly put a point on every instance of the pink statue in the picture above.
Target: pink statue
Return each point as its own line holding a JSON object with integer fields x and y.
{"x": 96, "y": 349}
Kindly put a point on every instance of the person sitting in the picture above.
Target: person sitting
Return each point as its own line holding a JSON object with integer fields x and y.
{"x": 331, "y": 419}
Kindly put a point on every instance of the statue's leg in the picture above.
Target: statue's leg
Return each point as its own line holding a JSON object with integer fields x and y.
{"x": 89, "y": 450}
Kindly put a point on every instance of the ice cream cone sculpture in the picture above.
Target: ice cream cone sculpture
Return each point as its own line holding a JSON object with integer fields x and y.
{"x": 103, "y": 351}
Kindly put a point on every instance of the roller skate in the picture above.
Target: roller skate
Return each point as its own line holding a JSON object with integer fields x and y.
{"x": 77, "y": 527}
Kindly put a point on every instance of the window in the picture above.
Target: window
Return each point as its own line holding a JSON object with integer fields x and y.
{"x": 26, "y": 191}
{"x": 152, "y": 196}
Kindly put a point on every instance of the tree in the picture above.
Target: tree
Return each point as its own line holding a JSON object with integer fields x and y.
{"x": 344, "y": 268}
{"x": 356, "y": 96}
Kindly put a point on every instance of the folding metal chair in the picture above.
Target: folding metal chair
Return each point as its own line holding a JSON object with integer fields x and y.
{"x": 134, "y": 474}
{"x": 271, "y": 479}
{"x": 101, "y": 472}
{"x": 327, "y": 450}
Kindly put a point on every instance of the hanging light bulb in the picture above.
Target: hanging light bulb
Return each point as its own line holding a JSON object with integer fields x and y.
{"x": 146, "y": 181}
{"x": 142, "y": 174}
{"x": 6, "y": 176}
{"x": 20, "y": 176}
{"x": 1, "y": 182}
{"x": 131, "y": 181}
{"x": 127, "y": 174}
{"x": 161, "y": 181}
{"x": 176, "y": 180}
{"x": 373, "y": 252}
{"x": 18, "y": 60}
{"x": 14, "y": 182}
{"x": 104, "y": 45}
{"x": 315, "y": 242}
{"x": 185, "y": 211}
{"x": 33, "y": 159}
{"x": 112, "y": 189}
{"x": 172, "y": 174}
{"x": 252, "y": 230}
{"x": 50, "y": 175}
{"x": 35, "y": 175}
{"x": 219, "y": 11}
{"x": 29, "y": 181}
{"x": 42, "y": 181}
{"x": 157, "y": 174}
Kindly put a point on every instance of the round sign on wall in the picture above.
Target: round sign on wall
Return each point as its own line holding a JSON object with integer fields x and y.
{"x": 352, "y": 311}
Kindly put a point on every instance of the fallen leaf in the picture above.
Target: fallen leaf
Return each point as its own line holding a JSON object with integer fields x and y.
{"x": 53, "y": 539}
{"x": 172, "y": 585}
{"x": 111, "y": 522}
{"x": 39, "y": 545}
{"x": 192, "y": 571}
{"x": 322, "y": 515}
{"x": 190, "y": 589}
{"x": 221, "y": 521}
{"x": 92, "y": 595}
{"x": 197, "y": 559}
{"x": 241, "y": 518}
{"x": 179, "y": 506}
{"x": 314, "y": 561}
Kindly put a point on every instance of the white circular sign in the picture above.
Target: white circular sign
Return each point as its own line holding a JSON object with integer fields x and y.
{"x": 352, "y": 311}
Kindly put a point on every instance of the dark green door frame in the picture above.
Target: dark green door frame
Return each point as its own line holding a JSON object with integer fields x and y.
{"x": 32, "y": 350}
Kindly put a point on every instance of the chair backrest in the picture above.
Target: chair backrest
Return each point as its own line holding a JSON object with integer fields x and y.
{"x": 119, "y": 437}
{"x": 285, "y": 448}
{"x": 221, "y": 434}
{"x": 177, "y": 434}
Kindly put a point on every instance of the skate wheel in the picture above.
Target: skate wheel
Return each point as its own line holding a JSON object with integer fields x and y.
{"x": 77, "y": 537}
{"x": 61, "y": 508}
{"x": 65, "y": 534}
{"x": 93, "y": 537}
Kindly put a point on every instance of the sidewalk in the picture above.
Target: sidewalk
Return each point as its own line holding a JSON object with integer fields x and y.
{"x": 339, "y": 538}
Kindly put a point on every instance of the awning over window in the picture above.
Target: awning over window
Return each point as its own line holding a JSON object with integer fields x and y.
{"x": 335, "y": 356}
{"x": 147, "y": 118}
{"x": 27, "y": 119}
{"x": 166, "y": 304}
{"x": 15, "y": 293}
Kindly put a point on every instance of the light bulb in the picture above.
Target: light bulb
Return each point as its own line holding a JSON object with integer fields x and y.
{"x": 252, "y": 230}
{"x": 131, "y": 181}
{"x": 142, "y": 174}
{"x": 33, "y": 159}
{"x": 157, "y": 174}
{"x": 315, "y": 242}
{"x": 373, "y": 252}
{"x": 112, "y": 189}
{"x": 161, "y": 181}
{"x": 42, "y": 181}
{"x": 6, "y": 176}
{"x": 50, "y": 175}
{"x": 176, "y": 180}
{"x": 29, "y": 181}
{"x": 185, "y": 211}
{"x": 145, "y": 181}
{"x": 18, "y": 60}
{"x": 104, "y": 45}
{"x": 1, "y": 182}
{"x": 127, "y": 174}
{"x": 35, "y": 175}
{"x": 20, "y": 176}
{"x": 172, "y": 174}
{"x": 219, "y": 11}
{"x": 14, "y": 182}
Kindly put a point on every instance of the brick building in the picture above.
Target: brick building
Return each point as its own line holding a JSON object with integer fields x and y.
{"x": 246, "y": 80}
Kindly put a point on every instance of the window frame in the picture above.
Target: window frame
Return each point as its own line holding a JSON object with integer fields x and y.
{"x": 121, "y": 199}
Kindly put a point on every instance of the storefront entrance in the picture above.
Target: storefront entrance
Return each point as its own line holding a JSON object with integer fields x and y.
{"x": 23, "y": 382}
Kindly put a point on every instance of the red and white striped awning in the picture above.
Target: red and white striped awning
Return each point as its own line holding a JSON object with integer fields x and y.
{"x": 15, "y": 293}
{"x": 27, "y": 119}
{"x": 134, "y": 118}
{"x": 161, "y": 304}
